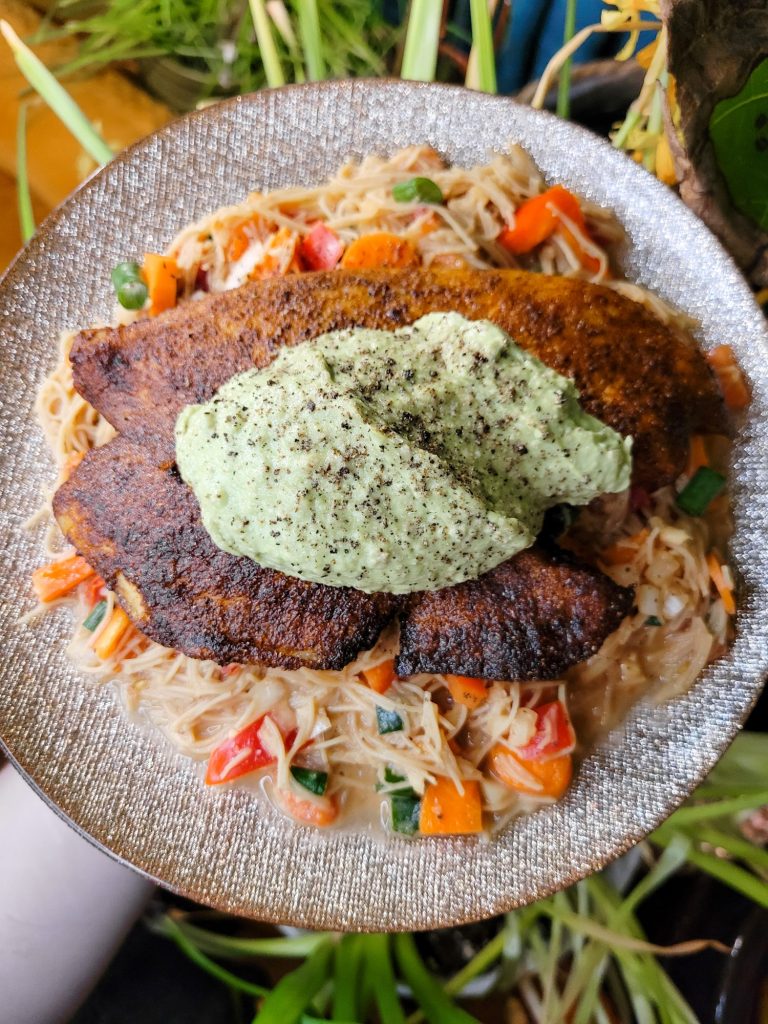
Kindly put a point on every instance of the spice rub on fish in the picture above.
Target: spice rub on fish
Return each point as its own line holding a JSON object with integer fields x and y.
{"x": 634, "y": 373}
{"x": 531, "y": 617}
{"x": 138, "y": 525}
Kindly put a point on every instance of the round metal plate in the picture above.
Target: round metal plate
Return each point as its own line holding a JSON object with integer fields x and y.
{"x": 124, "y": 786}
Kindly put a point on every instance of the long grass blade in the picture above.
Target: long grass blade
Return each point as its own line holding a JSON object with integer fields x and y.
{"x": 311, "y": 40}
{"x": 564, "y": 84}
{"x": 57, "y": 98}
{"x": 422, "y": 40}
{"x": 286, "y": 1003}
{"x": 481, "y": 69}
{"x": 382, "y": 979}
{"x": 436, "y": 1006}
{"x": 24, "y": 197}
{"x": 292, "y": 947}
{"x": 172, "y": 930}
{"x": 273, "y": 69}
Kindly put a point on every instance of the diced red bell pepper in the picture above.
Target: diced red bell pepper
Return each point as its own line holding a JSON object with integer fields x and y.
{"x": 257, "y": 757}
{"x": 321, "y": 249}
{"x": 94, "y": 590}
{"x": 554, "y": 733}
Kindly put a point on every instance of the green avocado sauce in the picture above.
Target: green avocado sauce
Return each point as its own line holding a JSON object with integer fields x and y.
{"x": 394, "y": 460}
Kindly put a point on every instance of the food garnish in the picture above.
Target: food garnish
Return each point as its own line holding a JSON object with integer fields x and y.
{"x": 417, "y": 189}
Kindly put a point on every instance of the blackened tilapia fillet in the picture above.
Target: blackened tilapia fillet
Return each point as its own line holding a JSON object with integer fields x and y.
{"x": 632, "y": 372}
{"x": 138, "y": 525}
{"x": 529, "y": 618}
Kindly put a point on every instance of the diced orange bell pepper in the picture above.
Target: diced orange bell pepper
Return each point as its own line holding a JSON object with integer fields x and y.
{"x": 381, "y": 677}
{"x": 551, "y": 778}
{"x": 467, "y": 691}
{"x": 697, "y": 454}
{"x": 732, "y": 384}
{"x": 447, "y": 812}
{"x": 162, "y": 276}
{"x": 716, "y": 574}
{"x": 623, "y": 551}
{"x": 380, "y": 249}
{"x": 57, "y": 578}
{"x": 109, "y": 638}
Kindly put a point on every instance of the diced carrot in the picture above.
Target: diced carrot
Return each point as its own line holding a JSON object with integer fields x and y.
{"x": 109, "y": 638}
{"x": 551, "y": 778}
{"x": 93, "y": 590}
{"x": 467, "y": 691}
{"x": 162, "y": 275}
{"x": 623, "y": 551}
{"x": 381, "y": 677}
{"x": 280, "y": 256}
{"x": 587, "y": 260}
{"x": 239, "y": 240}
{"x": 447, "y": 812}
{"x": 716, "y": 574}
{"x": 380, "y": 249}
{"x": 319, "y": 811}
{"x": 71, "y": 463}
{"x": 536, "y": 219}
{"x": 57, "y": 578}
{"x": 732, "y": 384}
{"x": 697, "y": 454}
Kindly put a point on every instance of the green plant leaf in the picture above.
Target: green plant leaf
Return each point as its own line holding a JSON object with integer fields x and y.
{"x": 422, "y": 40}
{"x": 287, "y": 1001}
{"x": 437, "y": 1007}
{"x": 269, "y": 55}
{"x": 382, "y": 979}
{"x": 311, "y": 40}
{"x": 739, "y": 133}
{"x": 482, "y": 58}
{"x": 26, "y": 216}
{"x": 564, "y": 83}
{"x": 57, "y": 98}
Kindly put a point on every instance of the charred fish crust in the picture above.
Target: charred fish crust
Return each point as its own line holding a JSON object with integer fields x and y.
{"x": 532, "y": 617}
{"x": 632, "y": 371}
{"x": 199, "y": 599}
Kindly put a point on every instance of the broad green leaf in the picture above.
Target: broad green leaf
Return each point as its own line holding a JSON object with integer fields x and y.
{"x": 739, "y": 132}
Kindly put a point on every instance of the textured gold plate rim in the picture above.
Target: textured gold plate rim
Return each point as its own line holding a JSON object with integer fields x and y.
{"x": 114, "y": 795}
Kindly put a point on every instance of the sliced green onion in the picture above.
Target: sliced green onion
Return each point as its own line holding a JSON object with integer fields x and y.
{"x": 314, "y": 781}
{"x": 405, "y": 813}
{"x": 652, "y": 620}
{"x": 701, "y": 489}
{"x": 132, "y": 294}
{"x": 392, "y": 778}
{"x": 423, "y": 189}
{"x": 95, "y": 616}
{"x": 388, "y": 721}
{"x": 125, "y": 272}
